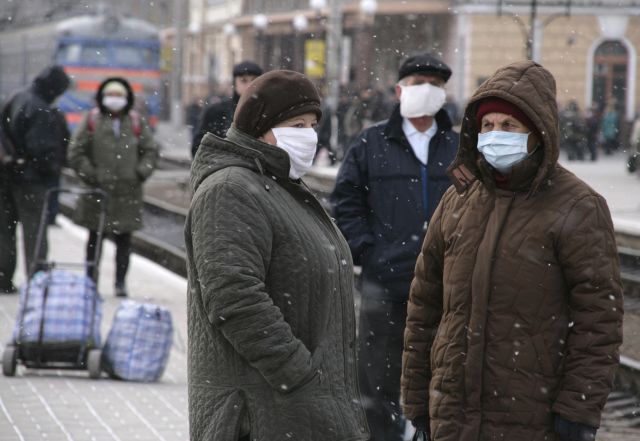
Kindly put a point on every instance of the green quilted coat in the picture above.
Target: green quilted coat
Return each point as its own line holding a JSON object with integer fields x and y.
{"x": 117, "y": 165}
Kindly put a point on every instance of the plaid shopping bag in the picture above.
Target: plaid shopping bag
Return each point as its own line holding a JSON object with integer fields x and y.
{"x": 66, "y": 303}
{"x": 139, "y": 342}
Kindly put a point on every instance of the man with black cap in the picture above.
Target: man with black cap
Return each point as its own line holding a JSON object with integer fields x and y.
{"x": 37, "y": 135}
{"x": 216, "y": 118}
{"x": 389, "y": 185}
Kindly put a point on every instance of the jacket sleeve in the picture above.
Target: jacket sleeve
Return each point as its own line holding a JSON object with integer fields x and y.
{"x": 589, "y": 259}
{"x": 232, "y": 245}
{"x": 79, "y": 152}
{"x": 424, "y": 311}
{"x": 349, "y": 200}
{"x": 147, "y": 152}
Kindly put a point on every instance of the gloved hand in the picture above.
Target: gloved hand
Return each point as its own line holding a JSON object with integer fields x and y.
{"x": 422, "y": 429}
{"x": 570, "y": 431}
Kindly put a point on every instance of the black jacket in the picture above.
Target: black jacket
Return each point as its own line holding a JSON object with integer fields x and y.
{"x": 382, "y": 204}
{"x": 37, "y": 130}
{"x": 215, "y": 118}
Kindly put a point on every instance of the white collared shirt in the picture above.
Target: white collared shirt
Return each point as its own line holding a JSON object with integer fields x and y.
{"x": 419, "y": 141}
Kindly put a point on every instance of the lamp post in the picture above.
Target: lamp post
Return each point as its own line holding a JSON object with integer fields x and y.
{"x": 229, "y": 30}
{"x": 334, "y": 37}
{"x": 300, "y": 24}
{"x": 364, "y": 42}
{"x": 177, "y": 116}
{"x": 533, "y": 31}
{"x": 260, "y": 23}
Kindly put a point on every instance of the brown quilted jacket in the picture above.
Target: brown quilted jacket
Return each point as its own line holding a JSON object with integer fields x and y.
{"x": 515, "y": 311}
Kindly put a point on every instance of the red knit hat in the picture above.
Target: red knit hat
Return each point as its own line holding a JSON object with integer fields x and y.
{"x": 494, "y": 104}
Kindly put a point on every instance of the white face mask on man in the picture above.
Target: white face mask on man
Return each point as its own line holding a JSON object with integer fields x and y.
{"x": 503, "y": 150}
{"x": 300, "y": 144}
{"x": 421, "y": 100}
{"x": 114, "y": 103}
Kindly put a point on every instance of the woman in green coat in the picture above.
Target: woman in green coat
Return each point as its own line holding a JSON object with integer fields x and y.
{"x": 113, "y": 149}
{"x": 270, "y": 305}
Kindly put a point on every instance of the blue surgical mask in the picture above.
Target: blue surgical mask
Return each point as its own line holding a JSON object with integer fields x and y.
{"x": 503, "y": 150}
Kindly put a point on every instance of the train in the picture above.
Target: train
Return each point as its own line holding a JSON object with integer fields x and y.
{"x": 90, "y": 48}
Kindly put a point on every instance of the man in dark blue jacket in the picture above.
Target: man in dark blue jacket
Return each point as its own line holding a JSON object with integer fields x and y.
{"x": 389, "y": 185}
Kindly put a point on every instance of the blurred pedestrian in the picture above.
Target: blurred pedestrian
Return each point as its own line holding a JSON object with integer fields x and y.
{"x": 34, "y": 133}
{"x": 592, "y": 121}
{"x": 572, "y": 131}
{"x": 113, "y": 149}
{"x": 387, "y": 189}
{"x": 610, "y": 128}
{"x": 515, "y": 313}
{"x": 192, "y": 114}
{"x": 270, "y": 304}
{"x": 216, "y": 118}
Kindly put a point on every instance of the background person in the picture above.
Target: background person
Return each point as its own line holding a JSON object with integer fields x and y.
{"x": 387, "y": 189}
{"x": 37, "y": 134}
{"x": 113, "y": 150}
{"x": 270, "y": 302}
{"x": 216, "y": 118}
{"x": 515, "y": 312}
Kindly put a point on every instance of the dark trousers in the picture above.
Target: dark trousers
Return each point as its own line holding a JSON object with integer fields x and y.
{"x": 381, "y": 335}
{"x": 123, "y": 251}
{"x": 20, "y": 203}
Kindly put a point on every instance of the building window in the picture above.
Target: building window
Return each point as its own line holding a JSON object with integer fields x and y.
{"x": 611, "y": 61}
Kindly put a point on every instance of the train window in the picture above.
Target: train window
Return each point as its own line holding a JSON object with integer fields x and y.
{"x": 91, "y": 54}
{"x": 69, "y": 53}
{"x": 94, "y": 55}
{"x": 135, "y": 56}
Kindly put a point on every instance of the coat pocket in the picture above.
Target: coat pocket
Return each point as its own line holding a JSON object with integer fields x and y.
{"x": 544, "y": 361}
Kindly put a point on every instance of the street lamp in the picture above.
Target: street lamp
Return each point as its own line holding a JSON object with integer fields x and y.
{"x": 364, "y": 42}
{"x": 533, "y": 31}
{"x": 260, "y": 23}
{"x": 369, "y": 7}
{"x": 300, "y": 24}
{"x": 318, "y": 5}
{"x": 229, "y": 29}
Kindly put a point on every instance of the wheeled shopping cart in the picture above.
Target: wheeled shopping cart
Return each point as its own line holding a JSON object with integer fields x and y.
{"x": 59, "y": 313}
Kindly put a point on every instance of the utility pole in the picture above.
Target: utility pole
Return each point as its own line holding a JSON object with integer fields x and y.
{"x": 334, "y": 37}
{"x": 535, "y": 27}
{"x": 532, "y": 29}
{"x": 177, "y": 114}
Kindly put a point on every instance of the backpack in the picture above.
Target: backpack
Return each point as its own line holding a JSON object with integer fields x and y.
{"x": 135, "y": 121}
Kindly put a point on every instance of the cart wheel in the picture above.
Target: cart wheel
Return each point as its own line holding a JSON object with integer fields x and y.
{"x": 9, "y": 361}
{"x": 94, "y": 363}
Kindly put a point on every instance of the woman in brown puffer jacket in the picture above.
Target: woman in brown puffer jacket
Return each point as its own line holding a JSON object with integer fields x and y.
{"x": 515, "y": 312}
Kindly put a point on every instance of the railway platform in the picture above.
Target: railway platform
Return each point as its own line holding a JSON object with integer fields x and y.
{"x": 68, "y": 406}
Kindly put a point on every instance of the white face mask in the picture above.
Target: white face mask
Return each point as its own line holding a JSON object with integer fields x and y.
{"x": 503, "y": 150}
{"x": 114, "y": 103}
{"x": 421, "y": 100}
{"x": 300, "y": 144}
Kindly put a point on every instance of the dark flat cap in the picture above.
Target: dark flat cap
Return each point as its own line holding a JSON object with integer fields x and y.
{"x": 425, "y": 64}
{"x": 274, "y": 97}
{"x": 247, "y": 68}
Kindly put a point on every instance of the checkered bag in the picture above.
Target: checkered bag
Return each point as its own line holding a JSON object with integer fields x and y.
{"x": 66, "y": 311}
{"x": 139, "y": 342}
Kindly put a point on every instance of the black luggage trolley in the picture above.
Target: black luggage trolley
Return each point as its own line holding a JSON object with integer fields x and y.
{"x": 59, "y": 355}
